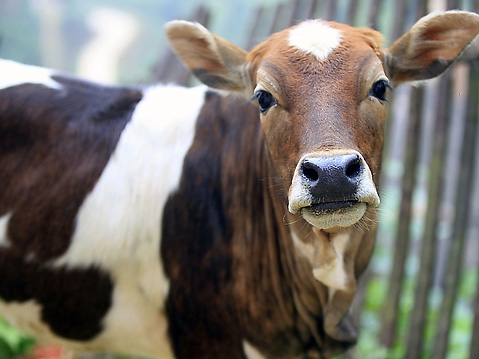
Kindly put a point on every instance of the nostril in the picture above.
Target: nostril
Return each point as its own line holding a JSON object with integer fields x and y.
{"x": 353, "y": 168}
{"x": 311, "y": 174}
{"x": 310, "y": 171}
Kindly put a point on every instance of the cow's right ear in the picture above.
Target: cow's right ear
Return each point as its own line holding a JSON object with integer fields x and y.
{"x": 213, "y": 60}
{"x": 430, "y": 46}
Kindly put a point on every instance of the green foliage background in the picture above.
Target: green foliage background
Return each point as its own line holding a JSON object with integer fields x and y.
{"x": 13, "y": 342}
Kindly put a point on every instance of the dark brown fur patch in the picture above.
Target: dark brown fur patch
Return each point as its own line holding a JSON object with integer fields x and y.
{"x": 73, "y": 301}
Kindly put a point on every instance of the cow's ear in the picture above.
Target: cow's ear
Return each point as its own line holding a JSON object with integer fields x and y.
{"x": 214, "y": 61}
{"x": 430, "y": 46}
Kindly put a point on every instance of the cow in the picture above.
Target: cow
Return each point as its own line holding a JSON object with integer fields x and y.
{"x": 231, "y": 220}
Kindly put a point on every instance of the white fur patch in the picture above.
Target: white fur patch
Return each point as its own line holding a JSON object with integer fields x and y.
{"x": 326, "y": 256}
{"x": 3, "y": 230}
{"x": 307, "y": 249}
{"x": 333, "y": 274}
{"x": 25, "y": 316}
{"x": 251, "y": 352}
{"x": 119, "y": 224}
{"x": 315, "y": 37}
{"x": 14, "y": 74}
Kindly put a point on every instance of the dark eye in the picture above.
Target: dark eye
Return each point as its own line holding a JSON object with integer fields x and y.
{"x": 379, "y": 89}
{"x": 265, "y": 100}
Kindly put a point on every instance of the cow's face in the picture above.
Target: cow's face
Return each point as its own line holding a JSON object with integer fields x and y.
{"x": 321, "y": 90}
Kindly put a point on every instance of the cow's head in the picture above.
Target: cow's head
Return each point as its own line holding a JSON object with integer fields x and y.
{"x": 321, "y": 90}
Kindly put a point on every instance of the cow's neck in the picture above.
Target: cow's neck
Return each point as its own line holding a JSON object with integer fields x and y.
{"x": 233, "y": 241}
{"x": 275, "y": 279}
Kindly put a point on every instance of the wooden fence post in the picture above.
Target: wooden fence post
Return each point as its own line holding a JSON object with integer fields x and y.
{"x": 465, "y": 138}
{"x": 418, "y": 315}
{"x": 170, "y": 68}
{"x": 390, "y": 309}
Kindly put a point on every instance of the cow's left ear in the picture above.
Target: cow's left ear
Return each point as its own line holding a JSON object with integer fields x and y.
{"x": 214, "y": 61}
{"x": 430, "y": 46}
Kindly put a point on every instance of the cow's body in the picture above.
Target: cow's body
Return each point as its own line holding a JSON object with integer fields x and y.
{"x": 131, "y": 162}
{"x": 173, "y": 222}
{"x": 107, "y": 153}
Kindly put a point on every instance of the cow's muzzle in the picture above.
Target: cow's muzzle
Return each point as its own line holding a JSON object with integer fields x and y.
{"x": 332, "y": 189}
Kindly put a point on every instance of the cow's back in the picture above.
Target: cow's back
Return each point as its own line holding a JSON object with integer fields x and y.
{"x": 85, "y": 172}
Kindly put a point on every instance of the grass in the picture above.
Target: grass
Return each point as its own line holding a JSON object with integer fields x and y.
{"x": 13, "y": 342}
{"x": 460, "y": 332}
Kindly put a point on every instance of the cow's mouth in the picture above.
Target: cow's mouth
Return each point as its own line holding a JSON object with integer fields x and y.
{"x": 328, "y": 215}
{"x": 332, "y": 205}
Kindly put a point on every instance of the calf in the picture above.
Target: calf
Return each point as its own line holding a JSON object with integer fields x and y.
{"x": 173, "y": 222}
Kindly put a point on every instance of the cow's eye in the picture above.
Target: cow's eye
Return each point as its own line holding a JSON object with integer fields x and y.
{"x": 379, "y": 89}
{"x": 265, "y": 100}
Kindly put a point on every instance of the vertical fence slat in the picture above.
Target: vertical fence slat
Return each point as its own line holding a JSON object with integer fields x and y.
{"x": 305, "y": 9}
{"x": 418, "y": 315}
{"x": 452, "y": 4}
{"x": 390, "y": 308}
{"x": 171, "y": 68}
{"x": 474, "y": 229}
{"x": 474, "y": 346}
{"x": 313, "y": 4}
{"x": 458, "y": 237}
{"x": 352, "y": 11}
{"x": 277, "y": 13}
{"x": 373, "y": 14}
{"x": 293, "y": 10}
{"x": 255, "y": 28}
{"x": 398, "y": 25}
{"x": 330, "y": 10}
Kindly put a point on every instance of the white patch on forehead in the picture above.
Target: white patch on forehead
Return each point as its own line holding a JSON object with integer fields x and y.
{"x": 315, "y": 37}
{"x": 14, "y": 74}
{"x": 3, "y": 230}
